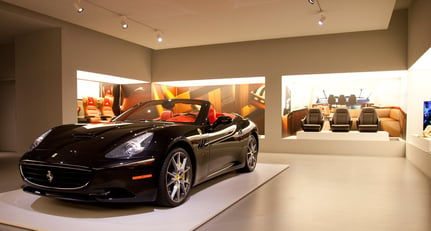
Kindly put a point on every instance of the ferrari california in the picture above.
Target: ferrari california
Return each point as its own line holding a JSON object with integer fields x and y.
{"x": 154, "y": 152}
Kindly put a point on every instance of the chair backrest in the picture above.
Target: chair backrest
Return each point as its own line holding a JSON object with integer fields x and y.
{"x": 352, "y": 99}
{"x": 106, "y": 107}
{"x": 331, "y": 99}
{"x": 166, "y": 115}
{"x": 90, "y": 109}
{"x": 368, "y": 116}
{"x": 341, "y": 116}
{"x": 342, "y": 100}
{"x": 314, "y": 116}
{"x": 212, "y": 115}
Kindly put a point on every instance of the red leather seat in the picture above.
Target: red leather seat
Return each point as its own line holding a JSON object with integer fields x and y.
{"x": 166, "y": 115}
{"x": 212, "y": 115}
{"x": 91, "y": 112}
{"x": 106, "y": 108}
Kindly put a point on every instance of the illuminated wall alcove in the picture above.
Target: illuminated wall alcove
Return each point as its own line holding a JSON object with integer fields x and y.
{"x": 386, "y": 91}
{"x": 244, "y": 96}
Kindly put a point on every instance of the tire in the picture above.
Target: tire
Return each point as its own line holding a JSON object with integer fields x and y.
{"x": 251, "y": 155}
{"x": 175, "y": 179}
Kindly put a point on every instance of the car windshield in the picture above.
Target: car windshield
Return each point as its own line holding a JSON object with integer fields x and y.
{"x": 171, "y": 111}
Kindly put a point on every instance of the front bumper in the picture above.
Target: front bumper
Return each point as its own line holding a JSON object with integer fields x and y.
{"x": 132, "y": 182}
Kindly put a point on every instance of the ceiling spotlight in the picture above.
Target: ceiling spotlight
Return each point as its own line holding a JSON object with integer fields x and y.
{"x": 124, "y": 24}
{"x": 311, "y": 1}
{"x": 78, "y": 6}
{"x": 159, "y": 37}
{"x": 321, "y": 20}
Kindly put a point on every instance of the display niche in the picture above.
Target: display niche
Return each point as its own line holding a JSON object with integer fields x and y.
{"x": 354, "y": 91}
{"x": 103, "y": 101}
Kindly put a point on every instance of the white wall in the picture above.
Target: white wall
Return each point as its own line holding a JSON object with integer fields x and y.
{"x": 419, "y": 42}
{"x": 383, "y": 88}
{"x": 418, "y": 149}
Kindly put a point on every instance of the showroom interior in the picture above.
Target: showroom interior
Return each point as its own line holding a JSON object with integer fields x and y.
{"x": 330, "y": 182}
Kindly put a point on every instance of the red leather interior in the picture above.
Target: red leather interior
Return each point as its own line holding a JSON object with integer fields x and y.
{"x": 166, "y": 115}
{"x": 106, "y": 108}
{"x": 212, "y": 115}
{"x": 91, "y": 112}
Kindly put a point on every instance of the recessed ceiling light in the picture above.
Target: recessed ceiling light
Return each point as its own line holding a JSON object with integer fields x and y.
{"x": 78, "y": 6}
{"x": 321, "y": 20}
{"x": 124, "y": 24}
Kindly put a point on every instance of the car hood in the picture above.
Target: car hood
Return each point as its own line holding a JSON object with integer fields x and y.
{"x": 87, "y": 144}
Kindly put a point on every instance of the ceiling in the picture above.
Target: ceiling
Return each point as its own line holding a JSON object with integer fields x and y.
{"x": 184, "y": 23}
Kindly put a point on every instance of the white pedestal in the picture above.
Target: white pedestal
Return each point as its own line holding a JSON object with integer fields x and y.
{"x": 351, "y": 135}
{"x": 421, "y": 142}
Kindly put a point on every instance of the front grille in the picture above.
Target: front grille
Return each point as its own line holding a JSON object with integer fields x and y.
{"x": 53, "y": 176}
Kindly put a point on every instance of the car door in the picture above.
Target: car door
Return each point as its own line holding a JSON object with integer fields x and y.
{"x": 224, "y": 144}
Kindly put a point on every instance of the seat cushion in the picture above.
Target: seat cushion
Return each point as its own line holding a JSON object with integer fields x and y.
{"x": 312, "y": 127}
{"x": 368, "y": 128}
{"x": 340, "y": 127}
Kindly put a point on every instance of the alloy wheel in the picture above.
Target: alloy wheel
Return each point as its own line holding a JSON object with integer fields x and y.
{"x": 178, "y": 176}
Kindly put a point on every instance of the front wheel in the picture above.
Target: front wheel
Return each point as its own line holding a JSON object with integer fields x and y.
{"x": 251, "y": 156}
{"x": 175, "y": 179}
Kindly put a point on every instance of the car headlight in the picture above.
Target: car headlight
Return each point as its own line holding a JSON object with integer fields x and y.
{"x": 39, "y": 140}
{"x": 131, "y": 148}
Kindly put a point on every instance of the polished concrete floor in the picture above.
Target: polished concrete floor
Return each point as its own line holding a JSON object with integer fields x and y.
{"x": 318, "y": 192}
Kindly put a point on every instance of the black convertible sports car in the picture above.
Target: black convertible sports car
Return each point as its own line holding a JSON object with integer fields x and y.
{"x": 155, "y": 151}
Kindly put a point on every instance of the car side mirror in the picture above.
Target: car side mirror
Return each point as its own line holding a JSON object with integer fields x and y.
{"x": 223, "y": 120}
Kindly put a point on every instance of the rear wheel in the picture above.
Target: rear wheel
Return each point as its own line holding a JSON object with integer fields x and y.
{"x": 251, "y": 156}
{"x": 175, "y": 178}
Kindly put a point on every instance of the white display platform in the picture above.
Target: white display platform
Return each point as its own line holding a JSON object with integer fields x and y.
{"x": 351, "y": 135}
{"x": 423, "y": 143}
{"x": 24, "y": 210}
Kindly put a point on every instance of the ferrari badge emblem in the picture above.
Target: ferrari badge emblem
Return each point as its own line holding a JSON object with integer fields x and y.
{"x": 49, "y": 176}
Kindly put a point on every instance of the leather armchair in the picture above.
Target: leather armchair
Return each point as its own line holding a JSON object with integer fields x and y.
{"x": 313, "y": 121}
{"x": 341, "y": 120}
{"x": 368, "y": 120}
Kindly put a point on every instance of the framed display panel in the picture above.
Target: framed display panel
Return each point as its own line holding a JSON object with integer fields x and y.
{"x": 247, "y": 100}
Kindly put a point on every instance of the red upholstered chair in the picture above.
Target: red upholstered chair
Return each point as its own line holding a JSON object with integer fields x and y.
{"x": 106, "y": 108}
{"x": 91, "y": 112}
{"x": 212, "y": 115}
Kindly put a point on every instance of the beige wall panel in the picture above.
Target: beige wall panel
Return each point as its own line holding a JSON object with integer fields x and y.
{"x": 7, "y": 62}
{"x": 38, "y": 84}
{"x": 419, "y": 33}
{"x": 7, "y": 98}
{"x": 351, "y": 52}
{"x": 7, "y": 116}
{"x": 87, "y": 50}
{"x": 362, "y": 51}
{"x": 47, "y": 64}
